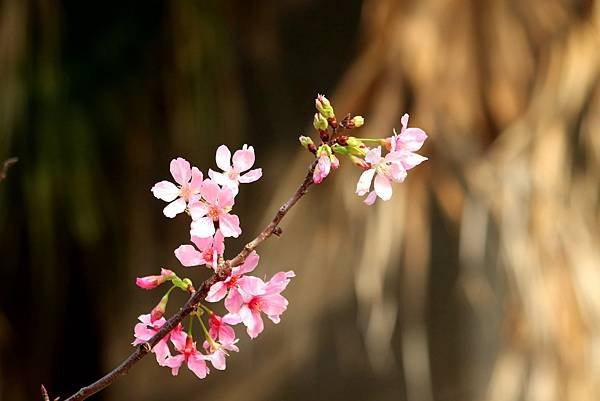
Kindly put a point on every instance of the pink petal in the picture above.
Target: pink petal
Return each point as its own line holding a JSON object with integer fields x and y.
{"x": 410, "y": 160}
{"x": 162, "y": 352}
{"x": 174, "y": 208}
{"x": 197, "y": 364}
{"x": 273, "y": 306}
{"x": 234, "y": 301}
{"x": 243, "y": 159}
{"x": 219, "y": 242}
{"x": 232, "y": 319}
{"x": 383, "y": 187}
{"x": 404, "y": 121}
{"x": 253, "y": 322}
{"x": 226, "y": 334}
{"x": 209, "y": 191}
{"x": 373, "y": 155}
{"x": 196, "y": 180}
{"x": 178, "y": 338}
{"x": 217, "y": 359}
{"x": 202, "y": 243}
{"x": 370, "y": 199}
{"x": 249, "y": 264}
{"x": 142, "y": 333}
{"x": 251, "y": 176}
{"x": 225, "y": 196}
{"x": 364, "y": 182}
{"x": 279, "y": 282}
{"x": 223, "y": 158}
{"x": 175, "y": 363}
{"x": 203, "y": 227}
{"x": 252, "y": 285}
{"x": 229, "y": 225}
{"x": 188, "y": 256}
{"x": 198, "y": 210}
{"x": 220, "y": 178}
{"x": 165, "y": 190}
{"x": 411, "y": 139}
{"x": 180, "y": 170}
{"x": 216, "y": 292}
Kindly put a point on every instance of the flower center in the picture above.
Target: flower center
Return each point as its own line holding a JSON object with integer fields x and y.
{"x": 255, "y": 304}
{"x": 233, "y": 174}
{"x": 213, "y": 213}
{"x": 184, "y": 193}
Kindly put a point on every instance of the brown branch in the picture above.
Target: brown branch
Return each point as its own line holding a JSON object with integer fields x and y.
{"x": 192, "y": 303}
{"x": 6, "y": 165}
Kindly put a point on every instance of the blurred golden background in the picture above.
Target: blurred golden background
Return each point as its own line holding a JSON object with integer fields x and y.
{"x": 479, "y": 280}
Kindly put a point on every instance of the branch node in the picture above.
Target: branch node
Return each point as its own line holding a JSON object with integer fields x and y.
{"x": 146, "y": 347}
{"x": 277, "y": 231}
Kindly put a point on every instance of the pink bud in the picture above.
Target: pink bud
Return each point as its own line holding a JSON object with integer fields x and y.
{"x": 150, "y": 282}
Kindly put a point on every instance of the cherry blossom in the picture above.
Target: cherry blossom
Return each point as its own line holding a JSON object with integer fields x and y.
{"x": 188, "y": 354}
{"x": 145, "y": 330}
{"x": 150, "y": 282}
{"x": 325, "y": 162}
{"x": 385, "y": 170}
{"x": 189, "y": 180}
{"x": 214, "y": 208}
{"x": 207, "y": 253}
{"x": 236, "y": 279}
{"x": 246, "y": 307}
{"x": 220, "y": 330}
{"x": 243, "y": 159}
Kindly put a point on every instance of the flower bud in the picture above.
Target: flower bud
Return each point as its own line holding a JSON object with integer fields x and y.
{"x": 160, "y": 309}
{"x": 359, "y": 162}
{"x": 320, "y": 123}
{"x": 324, "y": 107}
{"x": 305, "y": 141}
{"x": 150, "y": 282}
{"x": 339, "y": 149}
{"x": 358, "y": 121}
{"x": 335, "y": 162}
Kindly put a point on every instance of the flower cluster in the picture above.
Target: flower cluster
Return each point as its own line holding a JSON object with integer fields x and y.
{"x": 209, "y": 202}
{"x": 380, "y": 171}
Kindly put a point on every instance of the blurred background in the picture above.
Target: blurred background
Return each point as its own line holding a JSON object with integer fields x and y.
{"x": 479, "y": 280}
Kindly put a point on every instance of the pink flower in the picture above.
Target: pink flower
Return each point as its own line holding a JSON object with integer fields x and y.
{"x": 215, "y": 208}
{"x": 246, "y": 307}
{"x": 145, "y": 330}
{"x": 189, "y": 180}
{"x": 188, "y": 354}
{"x": 232, "y": 176}
{"x": 220, "y": 330}
{"x": 209, "y": 250}
{"x": 388, "y": 170}
{"x": 150, "y": 282}
{"x": 218, "y": 352}
{"x": 237, "y": 279}
{"x": 325, "y": 163}
{"x": 409, "y": 141}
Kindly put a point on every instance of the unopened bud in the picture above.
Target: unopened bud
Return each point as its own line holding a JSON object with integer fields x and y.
{"x": 324, "y": 107}
{"x": 358, "y": 121}
{"x": 335, "y": 162}
{"x": 160, "y": 309}
{"x": 359, "y": 162}
{"x": 319, "y": 122}
{"x": 306, "y": 141}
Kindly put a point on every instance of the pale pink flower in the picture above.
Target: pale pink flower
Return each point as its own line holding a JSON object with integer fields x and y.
{"x": 246, "y": 307}
{"x": 213, "y": 209}
{"x": 218, "y": 351}
{"x": 232, "y": 176}
{"x": 406, "y": 143}
{"x": 386, "y": 170}
{"x": 145, "y": 330}
{"x": 208, "y": 252}
{"x": 189, "y": 180}
{"x": 150, "y": 282}
{"x": 188, "y": 354}
{"x": 237, "y": 279}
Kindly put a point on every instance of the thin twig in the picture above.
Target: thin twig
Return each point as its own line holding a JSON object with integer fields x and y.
{"x": 6, "y": 165}
{"x": 192, "y": 303}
